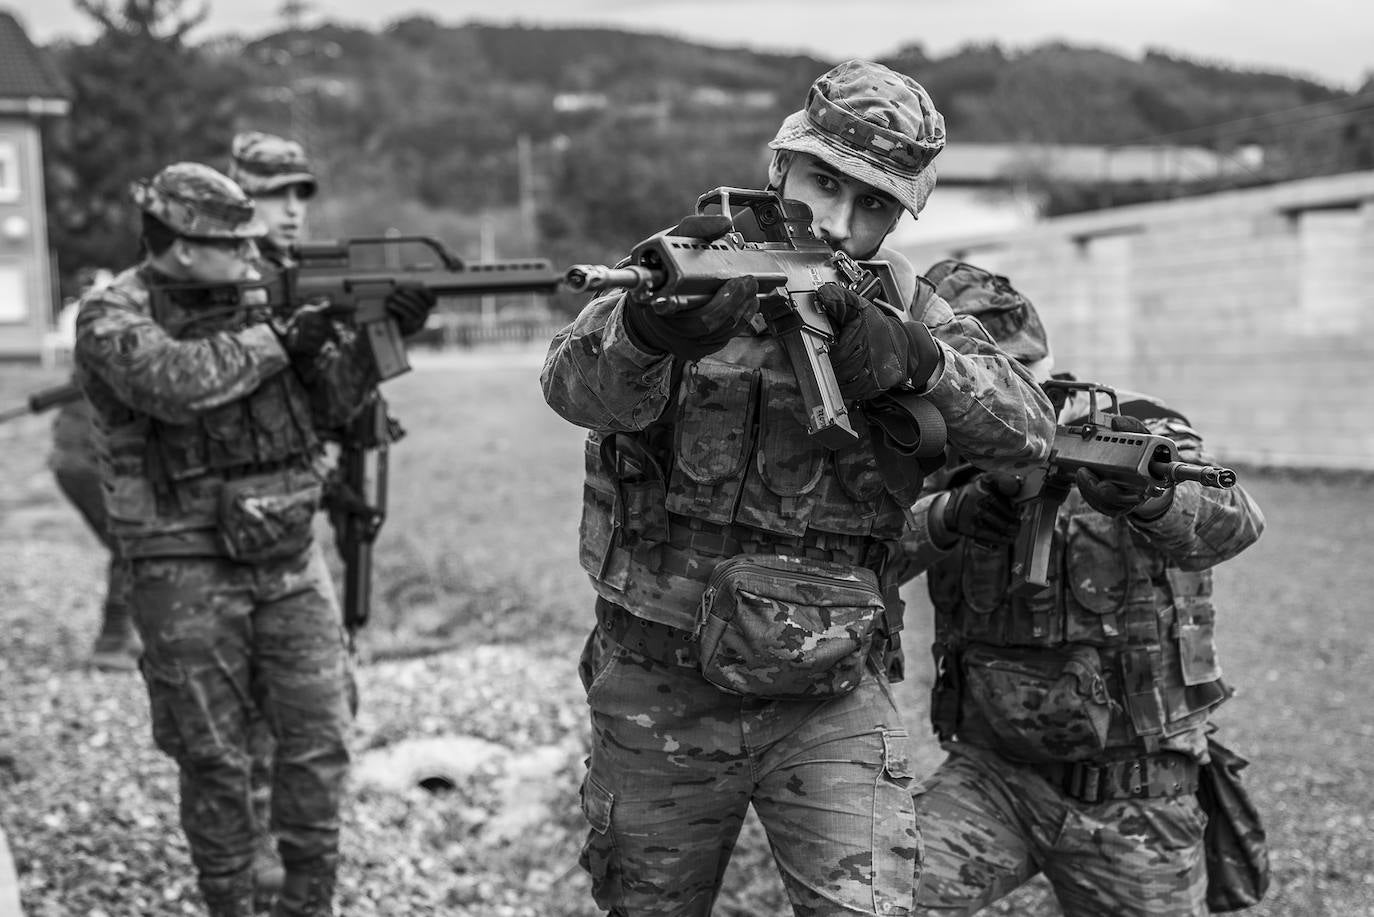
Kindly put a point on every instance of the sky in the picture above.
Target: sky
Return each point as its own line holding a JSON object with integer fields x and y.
{"x": 1331, "y": 41}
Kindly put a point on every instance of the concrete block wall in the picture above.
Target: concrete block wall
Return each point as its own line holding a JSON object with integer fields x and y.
{"x": 1251, "y": 311}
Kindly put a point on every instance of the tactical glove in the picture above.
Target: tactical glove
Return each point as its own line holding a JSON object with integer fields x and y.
{"x": 306, "y": 332}
{"x": 875, "y": 350}
{"x": 982, "y": 509}
{"x": 691, "y": 331}
{"x": 409, "y": 305}
{"x": 1117, "y": 498}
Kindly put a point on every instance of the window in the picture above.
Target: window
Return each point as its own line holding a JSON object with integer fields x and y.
{"x": 9, "y": 171}
{"x": 14, "y": 296}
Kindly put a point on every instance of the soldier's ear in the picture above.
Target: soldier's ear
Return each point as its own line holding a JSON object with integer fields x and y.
{"x": 182, "y": 252}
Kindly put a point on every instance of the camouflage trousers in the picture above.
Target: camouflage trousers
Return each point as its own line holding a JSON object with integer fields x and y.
{"x": 990, "y": 825}
{"x": 227, "y": 645}
{"x": 675, "y": 764}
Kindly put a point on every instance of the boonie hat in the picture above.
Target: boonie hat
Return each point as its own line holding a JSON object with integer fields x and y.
{"x": 873, "y": 124}
{"x": 263, "y": 163}
{"x": 197, "y": 201}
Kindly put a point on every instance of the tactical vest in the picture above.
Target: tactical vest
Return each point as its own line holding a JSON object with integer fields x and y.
{"x": 165, "y": 477}
{"x": 729, "y": 468}
{"x": 1149, "y": 625}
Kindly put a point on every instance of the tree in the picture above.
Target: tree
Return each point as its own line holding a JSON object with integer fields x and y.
{"x": 144, "y": 96}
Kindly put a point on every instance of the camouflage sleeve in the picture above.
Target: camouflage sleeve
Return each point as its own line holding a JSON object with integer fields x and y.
{"x": 1203, "y": 526}
{"x": 919, "y": 550}
{"x": 171, "y": 379}
{"x": 596, "y": 378}
{"x": 997, "y": 416}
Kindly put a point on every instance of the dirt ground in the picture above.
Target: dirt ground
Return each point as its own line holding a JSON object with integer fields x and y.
{"x": 477, "y": 566}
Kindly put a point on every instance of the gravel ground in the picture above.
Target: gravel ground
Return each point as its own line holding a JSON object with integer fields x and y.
{"x": 91, "y": 806}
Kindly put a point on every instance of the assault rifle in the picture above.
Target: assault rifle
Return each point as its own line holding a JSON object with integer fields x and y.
{"x": 355, "y": 276}
{"x": 670, "y": 273}
{"x": 43, "y": 400}
{"x": 1133, "y": 458}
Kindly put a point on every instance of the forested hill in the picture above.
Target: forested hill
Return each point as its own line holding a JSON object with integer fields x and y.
{"x": 606, "y": 131}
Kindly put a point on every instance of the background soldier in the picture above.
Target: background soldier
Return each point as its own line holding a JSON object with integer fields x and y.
{"x": 208, "y": 444}
{"x": 699, "y": 452}
{"x": 1097, "y": 789}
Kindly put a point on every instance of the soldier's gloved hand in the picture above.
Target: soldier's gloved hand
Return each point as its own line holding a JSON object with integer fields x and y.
{"x": 306, "y": 332}
{"x": 874, "y": 350}
{"x": 1117, "y": 498}
{"x": 409, "y": 305}
{"x": 691, "y": 331}
{"x": 982, "y": 509}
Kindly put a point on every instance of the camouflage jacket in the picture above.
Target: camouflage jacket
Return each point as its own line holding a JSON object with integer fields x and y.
{"x": 730, "y": 448}
{"x": 181, "y": 407}
{"x": 1129, "y": 597}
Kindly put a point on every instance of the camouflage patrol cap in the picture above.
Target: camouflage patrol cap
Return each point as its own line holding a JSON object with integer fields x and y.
{"x": 873, "y": 124}
{"x": 1008, "y": 316}
{"x": 194, "y": 200}
{"x": 263, "y": 163}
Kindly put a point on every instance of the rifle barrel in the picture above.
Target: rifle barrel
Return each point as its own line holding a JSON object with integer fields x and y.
{"x": 582, "y": 278}
{"x": 1206, "y": 475}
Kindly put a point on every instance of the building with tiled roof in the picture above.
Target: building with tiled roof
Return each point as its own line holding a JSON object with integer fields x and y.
{"x": 31, "y": 89}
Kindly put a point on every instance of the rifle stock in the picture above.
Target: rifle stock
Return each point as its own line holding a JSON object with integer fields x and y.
{"x": 1130, "y": 458}
{"x": 790, "y": 265}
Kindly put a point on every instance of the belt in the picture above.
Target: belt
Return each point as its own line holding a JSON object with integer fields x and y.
{"x": 1154, "y": 776}
{"x": 687, "y": 533}
{"x": 658, "y": 642}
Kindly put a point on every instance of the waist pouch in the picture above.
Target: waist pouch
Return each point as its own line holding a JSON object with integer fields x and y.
{"x": 268, "y": 516}
{"x": 784, "y": 627}
{"x": 1237, "y": 854}
{"x": 1039, "y": 705}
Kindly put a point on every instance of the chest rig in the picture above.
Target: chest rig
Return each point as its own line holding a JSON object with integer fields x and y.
{"x": 1150, "y": 625}
{"x": 268, "y": 430}
{"x": 730, "y": 469}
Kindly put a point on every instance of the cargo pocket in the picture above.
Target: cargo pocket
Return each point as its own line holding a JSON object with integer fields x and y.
{"x": 599, "y": 855}
{"x": 897, "y": 849}
{"x": 166, "y": 683}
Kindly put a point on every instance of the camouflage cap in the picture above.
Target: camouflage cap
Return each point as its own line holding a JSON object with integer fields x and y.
{"x": 196, "y": 201}
{"x": 1005, "y": 312}
{"x": 263, "y": 163}
{"x": 873, "y": 124}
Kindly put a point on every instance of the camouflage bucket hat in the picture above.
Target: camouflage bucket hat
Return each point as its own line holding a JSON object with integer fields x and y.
{"x": 194, "y": 200}
{"x": 1005, "y": 312}
{"x": 263, "y": 163}
{"x": 873, "y": 124}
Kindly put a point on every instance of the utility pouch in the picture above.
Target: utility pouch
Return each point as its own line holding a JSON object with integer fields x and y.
{"x": 1234, "y": 841}
{"x": 787, "y": 628}
{"x": 1039, "y": 705}
{"x": 945, "y": 692}
{"x": 268, "y": 516}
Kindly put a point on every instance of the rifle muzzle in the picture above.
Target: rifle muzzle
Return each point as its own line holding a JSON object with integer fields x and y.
{"x": 583, "y": 278}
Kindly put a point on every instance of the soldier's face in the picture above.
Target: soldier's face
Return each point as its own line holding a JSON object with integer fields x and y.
{"x": 284, "y": 211}
{"x": 217, "y": 260}
{"x": 854, "y": 217}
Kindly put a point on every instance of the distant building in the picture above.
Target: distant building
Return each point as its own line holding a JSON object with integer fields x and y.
{"x": 994, "y": 187}
{"x": 30, "y": 89}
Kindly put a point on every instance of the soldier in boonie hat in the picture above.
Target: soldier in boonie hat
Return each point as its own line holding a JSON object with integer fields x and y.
{"x": 872, "y": 123}
{"x": 264, "y": 163}
{"x": 197, "y": 202}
